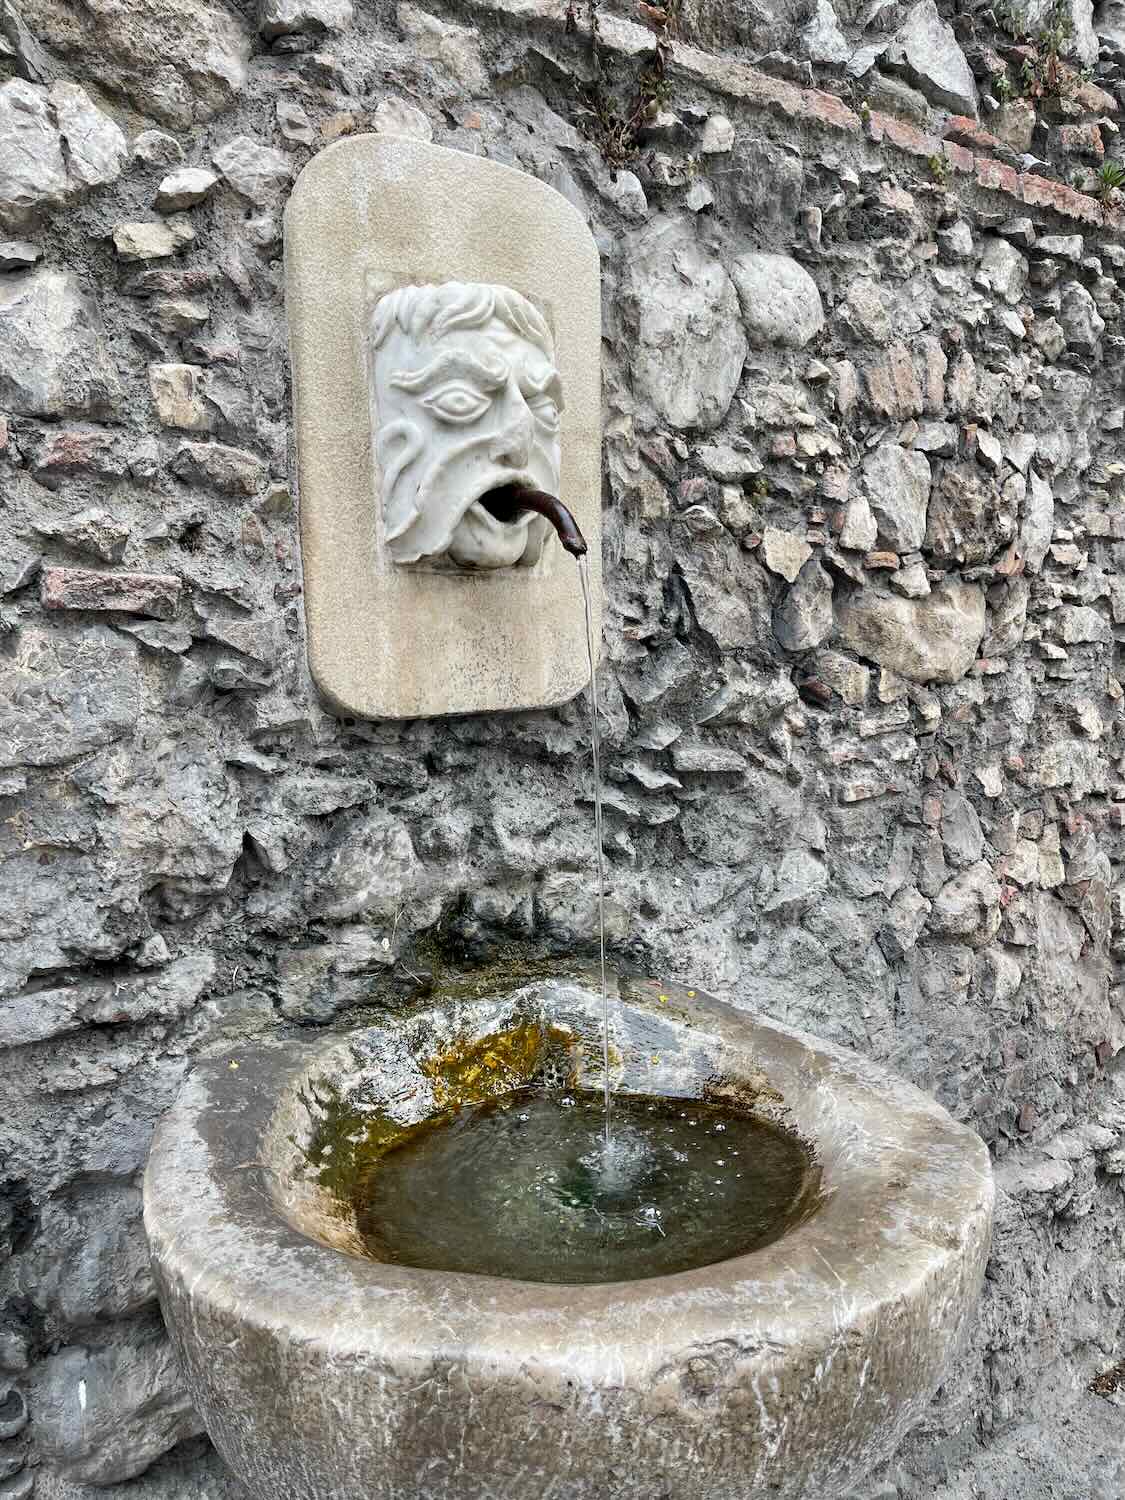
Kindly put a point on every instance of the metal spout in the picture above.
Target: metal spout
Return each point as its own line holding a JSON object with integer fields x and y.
{"x": 511, "y": 500}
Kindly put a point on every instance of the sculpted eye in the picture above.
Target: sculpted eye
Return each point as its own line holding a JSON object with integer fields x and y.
{"x": 456, "y": 403}
{"x": 546, "y": 412}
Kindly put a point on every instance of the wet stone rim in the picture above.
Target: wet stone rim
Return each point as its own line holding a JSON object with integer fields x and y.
{"x": 808, "y": 1358}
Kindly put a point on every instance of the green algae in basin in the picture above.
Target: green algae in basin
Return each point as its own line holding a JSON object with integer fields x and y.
{"x": 521, "y": 1186}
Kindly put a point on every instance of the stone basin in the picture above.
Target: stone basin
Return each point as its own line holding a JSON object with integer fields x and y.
{"x": 322, "y": 1374}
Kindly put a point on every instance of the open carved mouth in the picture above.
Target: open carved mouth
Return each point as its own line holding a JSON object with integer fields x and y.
{"x": 497, "y": 510}
{"x": 510, "y": 503}
{"x": 489, "y": 533}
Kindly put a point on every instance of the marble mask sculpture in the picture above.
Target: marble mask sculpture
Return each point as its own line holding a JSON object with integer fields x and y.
{"x": 466, "y": 399}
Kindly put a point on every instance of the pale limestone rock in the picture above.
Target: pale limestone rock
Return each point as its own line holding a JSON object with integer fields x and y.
{"x": 889, "y": 689}
{"x": 848, "y": 678}
{"x": 150, "y": 239}
{"x": 397, "y": 116}
{"x": 718, "y": 136}
{"x": 1014, "y": 124}
{"x": 962, "y": 383}
{"x": 903, "y": 924}
{"x": 956, "y": 240}
{"x": 55, "y": 144}
{"x": 784, "y": 552}
{"x": 184, "y": 189}
{"x": 865, "y": 311}
{"x": 1070, "y": 247}
{"x": 1021, "y": 867}
{"x": 722, "y": 461}
{"x": 962, "y": 837}
{"x": 699, "y": 196}
{"x": 934, "y": 639}
{"x": 33, "y": 171}
{"x": 897, "y": 481}
{"x": 454, "y": 48}
{"x": 1109, "y": 23}
{"x": 991, "y": 780}
{"x": 57, "y": 1012}
{"x": 1052, "y": 871}
{"x": 156, "y": 148}
{"x": 179, "y": 63}
{"x": 177, "y": 396}
{"x": 803, "y": 618}
{"x": 1008, "y": 318}
{"x": 729, "y": 593}
{"x": 821, "y": 40}
{"x": 258, "y": 172}
{"x": 746, "y": 697}
{"x": 911, "y": 580}
{"x": 283, "y": 17}
{"x": 625, "y": 191}
{"x": 1079, "y": 624}
{"x": 1047, "y": 335}
{"x": 180, "y": 314}
{"x": 925, "y": 50}
{"x": 989, "y": 451}
{"x": 965, "y": 522}
{"x": 1007, "y": 620}
{"x": 93, "y": 531}
{"x": 860, "y": 531}
{"x": 95, "y": 148}
{"x": 938, "y": 438}
{"x": 1081, "y": 322}
{"x": 231, "y": 470}
{"x": 18, "y": 255}
{"x": 1038, "y": 522}
{"x": 968, "y": 906}
{"x": 1078, "y": 15}
{"x": 54, "y": 360}
{"x": 22, "y": 54}
{"x": 1004, "y": 268}
{"x": 799, "y": 880}
{"x": 294, "y": 123}
{"x": 705, "y": 759}
{"x": 369, "y": 872}
{"x": 690, "y": 345}
{"x": 779, "y": 299}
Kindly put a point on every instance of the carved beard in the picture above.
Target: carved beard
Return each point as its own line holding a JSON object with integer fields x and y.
{"x": 430, "y": 516}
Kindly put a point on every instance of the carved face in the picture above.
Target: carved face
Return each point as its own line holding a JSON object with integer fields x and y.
{"x": 467, "y": 399}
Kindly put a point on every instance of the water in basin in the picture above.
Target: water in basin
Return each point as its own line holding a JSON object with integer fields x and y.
{"x": 525, "y": 1186}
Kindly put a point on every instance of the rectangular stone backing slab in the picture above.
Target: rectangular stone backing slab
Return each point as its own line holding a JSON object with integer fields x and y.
{"x": 387, "y": 642}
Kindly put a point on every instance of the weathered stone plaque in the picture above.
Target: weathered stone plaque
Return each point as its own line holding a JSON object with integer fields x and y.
{"x": 445, "y": 329}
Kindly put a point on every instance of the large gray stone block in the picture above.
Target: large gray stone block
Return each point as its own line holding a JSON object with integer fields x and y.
{"x": 54, "y": 360}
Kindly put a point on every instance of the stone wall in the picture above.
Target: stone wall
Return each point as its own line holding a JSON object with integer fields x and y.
{"x": 865, "y": 542}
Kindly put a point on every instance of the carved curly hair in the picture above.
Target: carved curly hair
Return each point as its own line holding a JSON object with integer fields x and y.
{"x": 438, "y": 310}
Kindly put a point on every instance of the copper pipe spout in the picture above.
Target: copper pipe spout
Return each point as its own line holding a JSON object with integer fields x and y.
{"x": 511, "y": 500}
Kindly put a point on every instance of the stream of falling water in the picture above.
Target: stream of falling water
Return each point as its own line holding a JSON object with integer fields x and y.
{"x": 595, "y": 742}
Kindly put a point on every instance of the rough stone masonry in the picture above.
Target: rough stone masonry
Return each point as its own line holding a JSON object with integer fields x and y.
{"x": 865, "y": 552}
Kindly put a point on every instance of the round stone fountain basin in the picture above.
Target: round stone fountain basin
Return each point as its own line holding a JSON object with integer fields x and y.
{"x": 788, "y": 1371}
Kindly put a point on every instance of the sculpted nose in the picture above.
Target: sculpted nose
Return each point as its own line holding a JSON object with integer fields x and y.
{"x": 512, "y": 443}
